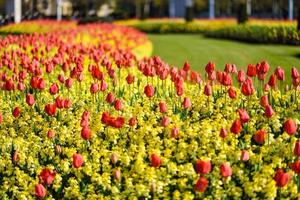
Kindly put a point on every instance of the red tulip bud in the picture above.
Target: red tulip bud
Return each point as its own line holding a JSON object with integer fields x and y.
{"x": 223, "y": 133}
{"x": 269, "y": 112}
{"x": 225, "y": 170}
{"x": 40, "y": 191}
{"x": 50, "y": 134}
{"x": 281, "y": 178}
{"x": 16, "y": 112}
{"x": 236, "y": 126}
{"x": 162, "y": 107}
{"x": 290, "y": 127}
{"x": 30, "y": 99}
{"x": 77, "y": 160}
{"x": 203, "y": 167}
{"x": 244, "y": 155}
{"x": 155, "y": 161}
{"x": 114, "y": 158}
{"x": 86, "y": 133}
{"x": 117, "y": 174}
{"x": 186, "y": 103}
{"x": 260, "y": 136}
{"x": 297, "y": 148}
{"x": 201, "y": 184}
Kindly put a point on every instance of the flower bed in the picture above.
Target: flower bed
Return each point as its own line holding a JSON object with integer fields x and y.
{"x": 83, "y": 116}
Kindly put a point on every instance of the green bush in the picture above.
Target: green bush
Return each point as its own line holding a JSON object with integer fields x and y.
{"x": 258, "y": 34}
{"x": 173, "y": 27}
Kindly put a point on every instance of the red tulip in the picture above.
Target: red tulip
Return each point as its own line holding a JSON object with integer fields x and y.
{"x": 9, "y": 85}
{"x": 210, "y": 67}
{"x": 232, "y": 93}
{"x": 16, "y": 112}
{"x": 186, "y": 103}
{"x": 174, "y": 132}
{"x": 290, "y": 127}
{"x": 41, "y": 84}
{"x": 186, "y": 66}
{"x": 244, "y": 155}
{"x": 94, "y": 88}
{"x": 269, "y": 112}
{"x": 297, "y": 148}
{"x": 1, "y": 118}
{"x": 86, "y": 133}
{"x": 263, "y": 67}
{"x": 225, "y": 170}
{"x": 201, "y": 184}
{"x": 21, "y": 87}
{"x": 248, "y": 87}
{"x": 163, "y": 107}
{"x": 296, "y": 81}
{"x": 228, "y": 68}
{"x": 50, "y": 134}
{"x": 15, "y": 156}
{"x": 118, "y": 104}
{"x": 69, "y": 83}
{"x": 241, "y": 76}
{"x": 272, "y": 81}
{"x": 207, "y": 90}
{"x": 281, "y": 178}
{"x": 77, "y": 160}
{"x": 30, "y": 99}
{"x": 260, "y": 136}
{"x": 212, "y": 76}
{"x": 47, "y": 176}
{"x": 50, "y": 109}
{"x": 149, "y": 91}
{"x": 110, "y": 98}
{"x": 227, "y": 80}
{"x": 155, "y": 161}
{"x": 267, "y": 87}
{"x": 251, "y": 70}
{"x": 296, "y": 167}
{"x": 114, "y": 158}
{"x": 203, "y": 167}
{"x": 264, "y": 101}
{"x": 119, "y": 122}
{"x": 67, "y": 103}
{"x": 223, "y": 133}
{"x": 280, "y": 73}
{"x": 295, "y": 73}
{"x": 244, "y": 117}
{"x": 103, "y": 86}
{"x": 40, "y": 191}
{"x": 130, "y": 79}
{"x": 105, "y": 118}
{"x": 165, "y": 121}
{"x": 236, "y": 126}
{"x": 132, "y": 121}
{"x": 117, "y": 174}
{"x": 54, "y": 89}
{"x": 61, "y": 78}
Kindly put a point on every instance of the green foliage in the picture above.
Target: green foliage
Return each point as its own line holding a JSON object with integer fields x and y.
{"x": 170, "y": 27}
{"x": 258, "y": 34}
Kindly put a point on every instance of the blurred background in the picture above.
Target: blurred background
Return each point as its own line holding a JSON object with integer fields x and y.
{"x": 224, "y": 31}
{"x": 142, "y": 9}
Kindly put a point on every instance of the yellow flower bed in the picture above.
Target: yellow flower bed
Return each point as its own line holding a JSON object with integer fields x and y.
{"x": 63, "y": 135}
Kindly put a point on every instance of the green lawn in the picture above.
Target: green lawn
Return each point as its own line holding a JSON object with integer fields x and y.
{"x": 177, "y": 48}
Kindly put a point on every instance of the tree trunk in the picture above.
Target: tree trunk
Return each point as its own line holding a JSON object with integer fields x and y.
{"x": 291, "y": 9}
{"x": 211, "y": 9}
{"x": 298, "y": 18}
